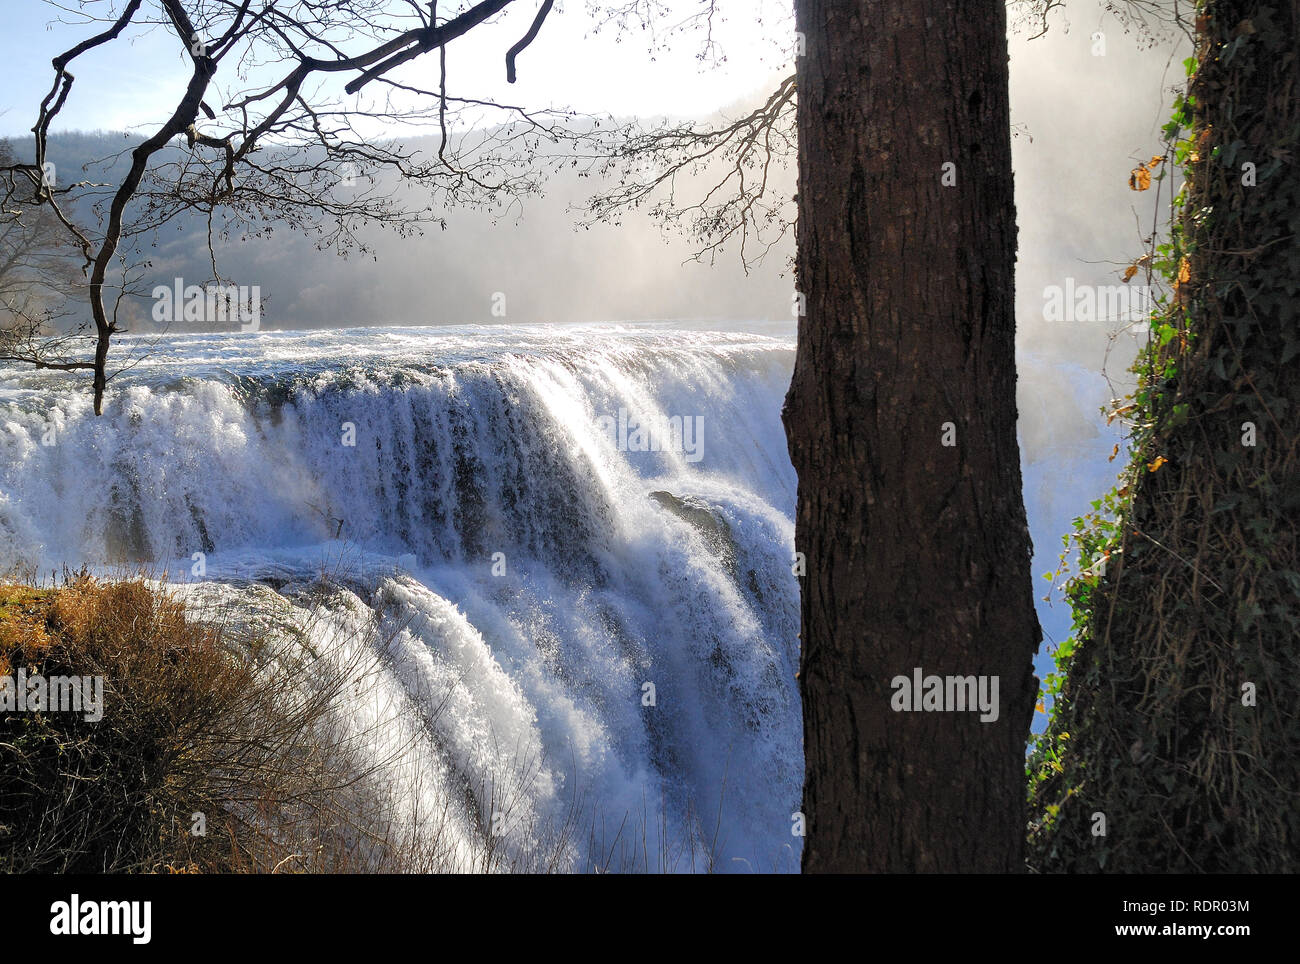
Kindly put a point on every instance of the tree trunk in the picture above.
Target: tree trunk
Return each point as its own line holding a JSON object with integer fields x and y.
{"x": 1191, "y": 749}
{"x": 917, "y": 553}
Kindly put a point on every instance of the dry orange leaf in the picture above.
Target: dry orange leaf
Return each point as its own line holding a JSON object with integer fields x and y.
{"x": 1184, "y": 272}
{"x": 1129, "y": 272}
{"x": 1155, "y": 161}
{"x": 1153, "y": 466}
{"x": 1113, "y": 452}
{"x": 1139, "y": 179}
{"x": 1119, "y": 411}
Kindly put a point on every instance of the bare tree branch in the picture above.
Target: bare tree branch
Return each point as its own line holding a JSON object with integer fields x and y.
{"x": 527, "y": 38}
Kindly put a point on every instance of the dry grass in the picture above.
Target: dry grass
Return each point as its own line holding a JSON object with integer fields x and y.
{"x": 192, "y": 726}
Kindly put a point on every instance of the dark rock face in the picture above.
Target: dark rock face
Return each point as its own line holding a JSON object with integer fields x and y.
{"x": 707, "y": 520}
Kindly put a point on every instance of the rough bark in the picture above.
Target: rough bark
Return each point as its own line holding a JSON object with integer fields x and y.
{"x": 917, "y": 553}
{"x": 1191, "y": 748}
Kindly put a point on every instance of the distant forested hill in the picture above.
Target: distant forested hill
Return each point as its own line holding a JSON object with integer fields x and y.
{"x": 548, "y": 269}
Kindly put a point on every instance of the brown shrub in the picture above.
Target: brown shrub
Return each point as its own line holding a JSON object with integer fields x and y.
{"x": 189, "y": 727}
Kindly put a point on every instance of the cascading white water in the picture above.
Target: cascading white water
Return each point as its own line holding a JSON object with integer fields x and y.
{"x": 555, "y": 608}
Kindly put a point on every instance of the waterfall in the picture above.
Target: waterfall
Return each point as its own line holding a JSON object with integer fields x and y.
{"x": 569, "y": 548}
